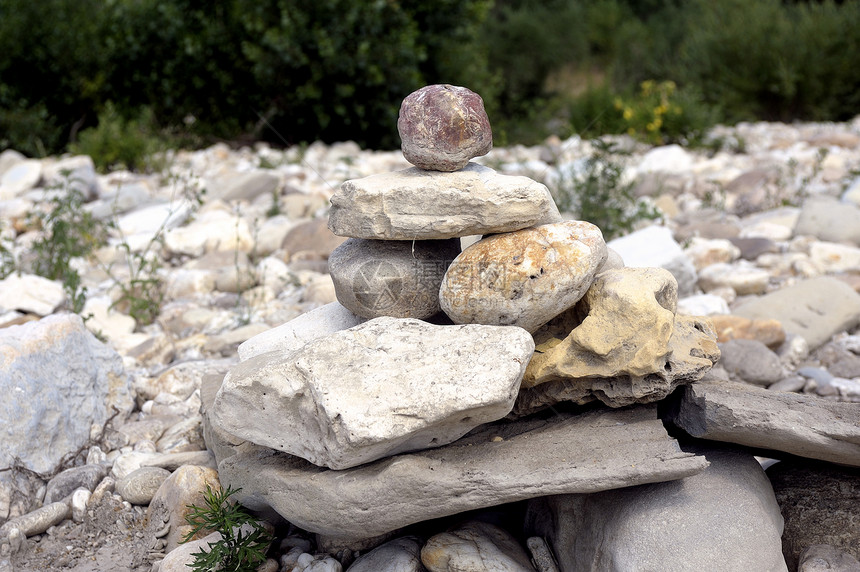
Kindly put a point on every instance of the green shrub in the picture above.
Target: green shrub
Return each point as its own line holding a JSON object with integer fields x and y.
{"x": 600, "y": 195}
{"x": 52, "y": 71}
{"x": 528, "y": 39}
{"x": 773, "y": 60}
{"x": 68, "y": 232}
{"x": 119, "y": 143}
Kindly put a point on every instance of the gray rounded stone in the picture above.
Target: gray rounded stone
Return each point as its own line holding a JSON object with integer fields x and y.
{"x": 750, "y": 361}
{"x": 400, "y": 279}
{"x": 443, "y": 126}
{"x": 139, "y": 486}
{"x": 399, "y": 555}
{"x": 68, "y": 481}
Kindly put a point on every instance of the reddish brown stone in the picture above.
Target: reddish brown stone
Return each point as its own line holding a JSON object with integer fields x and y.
{"x": 443, "y": 126}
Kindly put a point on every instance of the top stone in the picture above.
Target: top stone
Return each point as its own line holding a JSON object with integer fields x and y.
{"x": 443, "y": 126}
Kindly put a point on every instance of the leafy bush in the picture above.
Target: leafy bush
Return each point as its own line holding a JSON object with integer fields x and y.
{"x": 68, "y": 232}
{"x": 51, "y": 71}
{"x": 751, "y": 60}
{"x": 527, "y": 39}
{"x": 292, "y": 71}
{"x": 118, "y": 143}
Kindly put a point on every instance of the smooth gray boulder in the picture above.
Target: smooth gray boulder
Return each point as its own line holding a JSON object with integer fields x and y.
{"x": 495, "y": 464}
{"x": 398, "y": 555}
{"x": 750, "y": 361}
{"x": 395, "y": 278}
{"x": 829, "y": 219}
{"x": 814, "y": 309}
{"x": 383, "y": 387}
{"x": 725, "y": 518}
{"x": 798, "y": 424}
{"x": 414, "y": 204}
{"x": 67, "y": 482}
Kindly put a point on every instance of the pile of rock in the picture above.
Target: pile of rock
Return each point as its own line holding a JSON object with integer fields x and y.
{"x": 372, "y": 417}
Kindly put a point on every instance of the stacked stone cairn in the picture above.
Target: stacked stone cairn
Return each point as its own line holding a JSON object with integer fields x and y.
{"x": 447, "y": 379}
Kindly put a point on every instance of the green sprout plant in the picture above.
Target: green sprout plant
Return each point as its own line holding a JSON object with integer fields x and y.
{"x": 244, "y": 539}
{"x": 68, "y": 232}
{"x": 600, "y": 195}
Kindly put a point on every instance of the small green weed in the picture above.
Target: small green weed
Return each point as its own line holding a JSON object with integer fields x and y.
{"x": 600, "y": 196}
{"x": 68, "y": 232}
{"x": 142, "y": 294}
{"x": 238, "y": 550}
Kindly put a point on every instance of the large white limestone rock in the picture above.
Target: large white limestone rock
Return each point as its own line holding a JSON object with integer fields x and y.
{"x": 387, "y": 386}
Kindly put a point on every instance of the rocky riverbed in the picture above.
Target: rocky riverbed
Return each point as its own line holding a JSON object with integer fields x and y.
{"x": 107, "y": 432}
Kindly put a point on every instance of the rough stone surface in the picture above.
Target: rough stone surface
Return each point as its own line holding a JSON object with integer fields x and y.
{"x": 821, "y": 505}
{"x": 654, "y": 247}
{"x": 824, "y": 558}
{"x": 814, "y": 309}
{"x": 581, "y": 354}
{"x": 422, "y": 205}
{"x": 443, "y": 126}
{"x": 57, "y": 379}
{"x": 475, "y": 547}
{"x": 495, "y": 464}
{"x": 523, "y": 278}
{"x": 750, "y": 361}
{"x": 692, "y": 353}
{"x": 288, "y": 337}
{"x": 725, "y": 518}
{"x": 399, "y": 555}
{"x": 383, "y": 387}
{"x": 401, "y": 279}
{"x": 797, "y": 424}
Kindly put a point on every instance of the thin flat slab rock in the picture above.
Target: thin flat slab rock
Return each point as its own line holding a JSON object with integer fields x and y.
{"x": 414, "y": 204}
{"x": 496, "y": 464}
{"x": 792, "y": 423}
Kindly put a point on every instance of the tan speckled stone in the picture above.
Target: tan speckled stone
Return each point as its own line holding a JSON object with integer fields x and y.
{"x": 523, "y": 278}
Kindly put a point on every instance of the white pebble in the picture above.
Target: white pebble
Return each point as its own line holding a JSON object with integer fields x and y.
{"x": 80, "y": 498}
